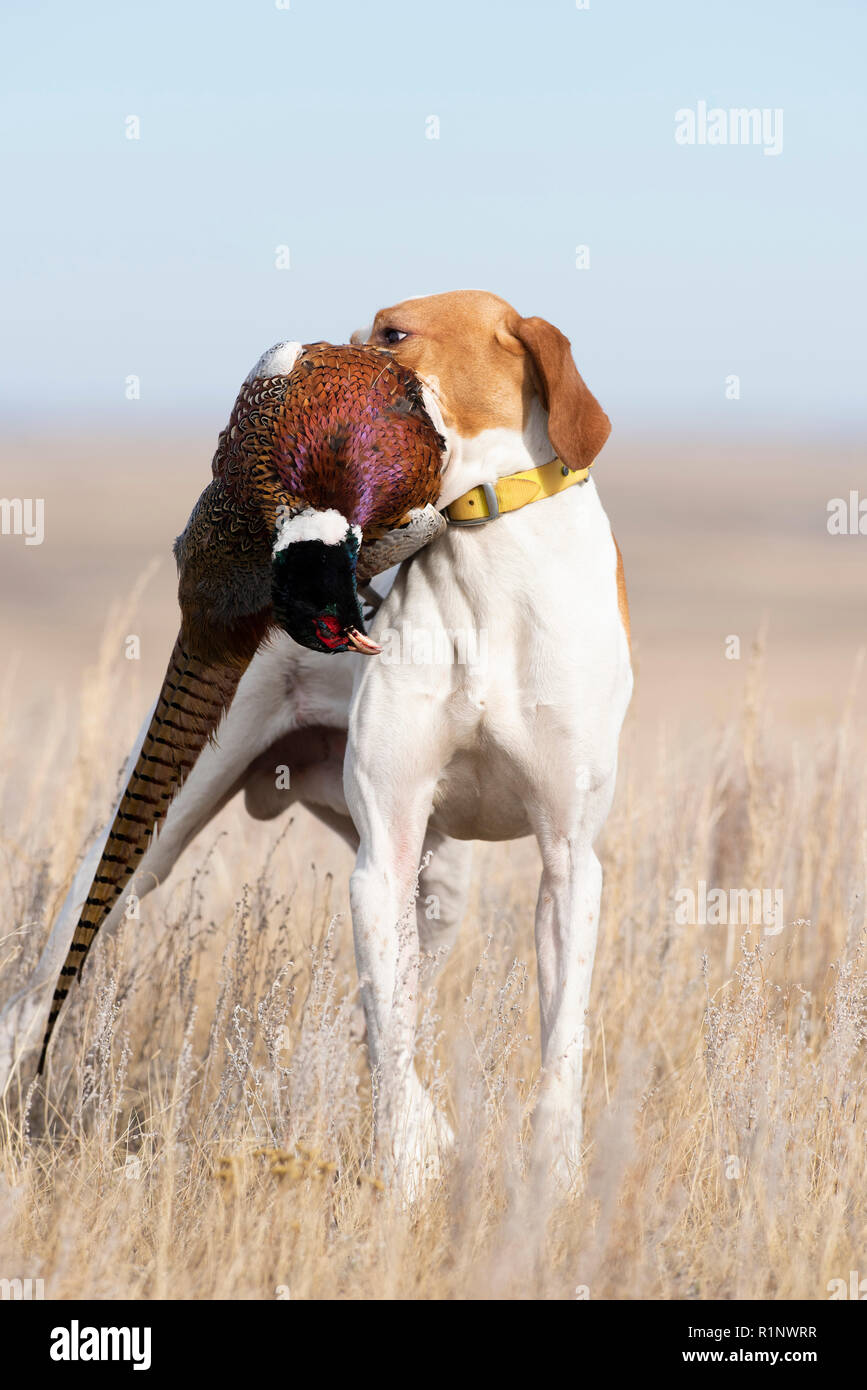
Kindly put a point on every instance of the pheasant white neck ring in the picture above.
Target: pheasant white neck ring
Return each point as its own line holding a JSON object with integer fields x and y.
{"x": 330, "y": 527}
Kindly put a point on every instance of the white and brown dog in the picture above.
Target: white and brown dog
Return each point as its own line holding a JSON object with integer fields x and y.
{"x": 503, "y": 722}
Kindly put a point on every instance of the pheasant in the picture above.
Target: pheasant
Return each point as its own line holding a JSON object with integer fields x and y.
{"x": 324, "y": 476}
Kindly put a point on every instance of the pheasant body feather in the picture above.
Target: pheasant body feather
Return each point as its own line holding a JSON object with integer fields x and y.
{"x": 347, "y": 428}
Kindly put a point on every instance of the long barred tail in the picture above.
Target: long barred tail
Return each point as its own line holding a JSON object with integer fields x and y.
{"x": 192, "y": 701}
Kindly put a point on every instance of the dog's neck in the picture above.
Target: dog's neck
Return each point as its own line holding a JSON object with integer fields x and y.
{"x": 491, "y": 454}
{"x": 476, "y": 553}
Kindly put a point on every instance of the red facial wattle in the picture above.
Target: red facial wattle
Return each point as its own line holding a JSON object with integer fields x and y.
{"x": 335, "y": 638}
{"x": 330, "y": 633}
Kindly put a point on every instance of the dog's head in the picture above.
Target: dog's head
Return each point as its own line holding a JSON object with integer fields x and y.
{"x": 485, "y": 365}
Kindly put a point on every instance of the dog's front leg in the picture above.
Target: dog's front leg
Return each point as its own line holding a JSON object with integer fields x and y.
{"x": 567, "y": 921}
{"x": 567, "y": 924}
{"x": 390, "y": 800}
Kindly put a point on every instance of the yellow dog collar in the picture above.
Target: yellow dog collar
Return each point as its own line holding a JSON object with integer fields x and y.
{"x": 509, "y": 494}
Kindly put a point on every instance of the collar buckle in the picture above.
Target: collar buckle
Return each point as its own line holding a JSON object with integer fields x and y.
{"x": 493, "y": 509}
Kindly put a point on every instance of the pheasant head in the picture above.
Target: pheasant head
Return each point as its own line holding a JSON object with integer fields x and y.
{"x": 324, "y": 475}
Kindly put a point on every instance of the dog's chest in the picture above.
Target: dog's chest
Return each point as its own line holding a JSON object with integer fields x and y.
{"x": 512, "y": 634}
{"x": 514, "y": 614}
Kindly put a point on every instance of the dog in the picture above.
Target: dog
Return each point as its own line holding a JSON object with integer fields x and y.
{"x": 410, "y": 761}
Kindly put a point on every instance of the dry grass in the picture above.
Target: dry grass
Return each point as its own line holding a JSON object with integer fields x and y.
{"x": 205, "y": 1132}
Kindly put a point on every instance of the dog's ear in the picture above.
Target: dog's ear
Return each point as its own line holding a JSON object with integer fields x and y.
{"x": 577, "y": 424}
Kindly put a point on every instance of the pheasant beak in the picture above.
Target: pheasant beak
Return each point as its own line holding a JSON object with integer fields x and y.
{"x": 362, "y": 643}
{"x": 313, "y": 582}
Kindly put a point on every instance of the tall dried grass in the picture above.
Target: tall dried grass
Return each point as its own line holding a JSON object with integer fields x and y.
{"x": 205, "y": 1131}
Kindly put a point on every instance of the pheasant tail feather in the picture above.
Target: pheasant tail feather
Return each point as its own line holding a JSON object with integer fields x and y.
{"x": 191, "y": 703}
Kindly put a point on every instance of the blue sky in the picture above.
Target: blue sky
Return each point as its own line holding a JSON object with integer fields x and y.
{"x": 306, "y": 127}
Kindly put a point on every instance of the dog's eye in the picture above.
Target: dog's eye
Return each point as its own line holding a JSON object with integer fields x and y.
{"x": 393, "y": 335}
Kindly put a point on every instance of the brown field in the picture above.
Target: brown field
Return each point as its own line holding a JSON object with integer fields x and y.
{"x": 205, "y": 1130}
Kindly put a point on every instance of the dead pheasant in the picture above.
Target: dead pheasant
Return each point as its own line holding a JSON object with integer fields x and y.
{"x": 323, "y": 477}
